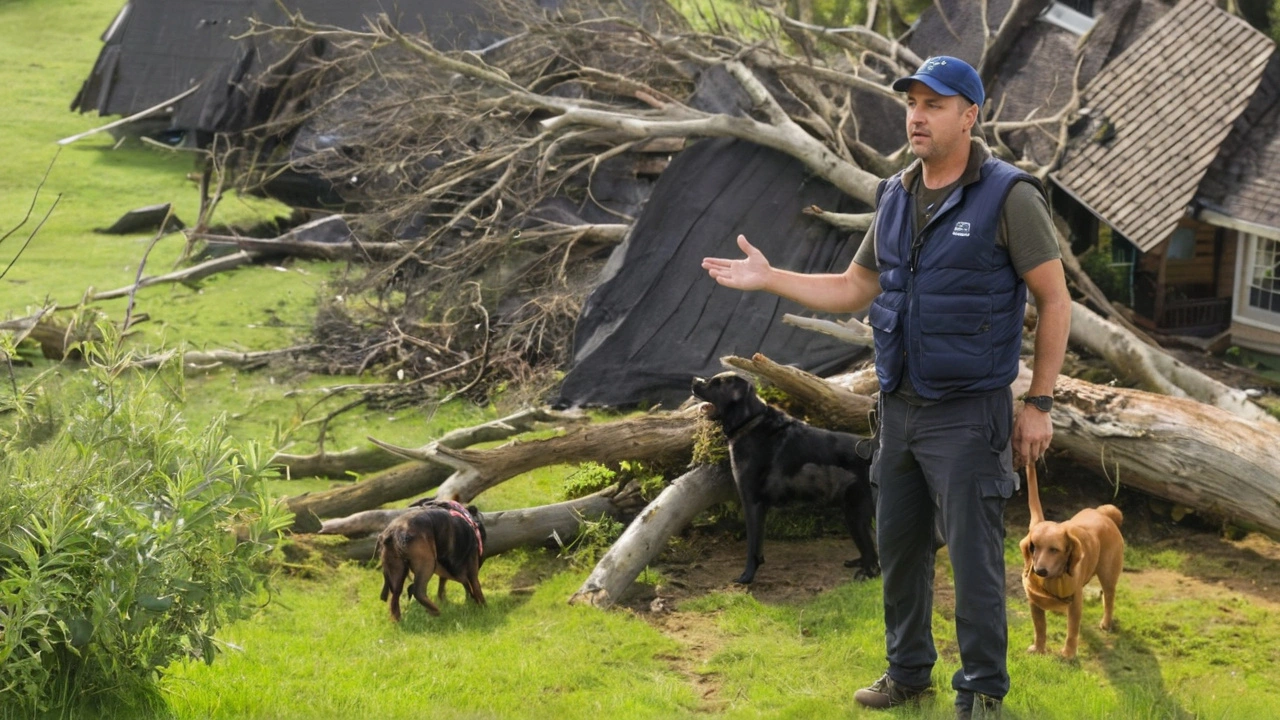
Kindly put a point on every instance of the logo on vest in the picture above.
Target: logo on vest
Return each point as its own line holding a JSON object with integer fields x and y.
{"x": 961, "y": 229}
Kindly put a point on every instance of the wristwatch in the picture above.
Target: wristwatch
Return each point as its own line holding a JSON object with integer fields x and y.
{"x": 1043, "y": 403}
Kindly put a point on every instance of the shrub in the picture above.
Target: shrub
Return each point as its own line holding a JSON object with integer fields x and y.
{"x": 126, "y": 538}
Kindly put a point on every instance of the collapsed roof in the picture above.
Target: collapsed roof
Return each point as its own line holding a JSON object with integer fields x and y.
{"x": 1036, "y": 76}
{"x": 657, "y": 319}
{"x": 156, "y": 50}
{"x": 1166, "y": 105}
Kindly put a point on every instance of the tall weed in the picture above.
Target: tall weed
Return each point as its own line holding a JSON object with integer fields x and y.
{"x": 127, "y": 538}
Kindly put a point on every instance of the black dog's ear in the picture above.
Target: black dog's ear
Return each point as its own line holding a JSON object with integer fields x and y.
{"x": 475, "y": 511}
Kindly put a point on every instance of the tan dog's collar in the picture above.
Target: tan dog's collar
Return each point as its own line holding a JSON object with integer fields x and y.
{"x": 1039, "y": 583}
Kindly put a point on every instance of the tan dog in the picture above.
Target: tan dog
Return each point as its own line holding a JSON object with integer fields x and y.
{"x": 1062, "y": 557}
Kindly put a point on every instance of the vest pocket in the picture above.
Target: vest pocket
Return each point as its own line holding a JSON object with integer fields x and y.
{"x": 882, "y": 318}
{"x": 956, "y": 342}
{"x": 888, "y": 341}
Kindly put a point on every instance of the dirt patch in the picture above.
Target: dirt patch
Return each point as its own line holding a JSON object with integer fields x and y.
{"x": 700, "y": 641}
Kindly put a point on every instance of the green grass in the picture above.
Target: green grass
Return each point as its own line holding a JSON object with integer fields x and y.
{"x": 526, "y": 654}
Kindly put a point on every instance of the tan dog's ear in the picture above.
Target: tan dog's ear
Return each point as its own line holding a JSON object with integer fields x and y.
{"x": 1075, "y": 552}
{"x": 1026, "y": 551}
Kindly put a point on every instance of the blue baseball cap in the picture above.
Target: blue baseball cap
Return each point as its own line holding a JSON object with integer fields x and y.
{"x": 947, "y": 76}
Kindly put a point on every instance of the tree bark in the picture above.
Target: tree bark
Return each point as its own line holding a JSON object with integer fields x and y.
{"x": 1012, "y": 27}
{"x": 839, "y": 408}
{"x": 646, "y": 536}
{"x": 282, "y": 246}
{"x": 657, "y": 438}
{"x": 504, "y": 529}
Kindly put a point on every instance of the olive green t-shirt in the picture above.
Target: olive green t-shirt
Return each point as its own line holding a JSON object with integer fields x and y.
{"x": 1025, "y": 228}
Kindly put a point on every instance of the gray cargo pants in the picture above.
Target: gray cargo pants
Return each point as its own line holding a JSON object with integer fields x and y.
{"x": 950, "y": 463}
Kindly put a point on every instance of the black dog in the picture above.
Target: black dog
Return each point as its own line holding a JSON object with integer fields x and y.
{"x": 777, "y": 458}
{"x": 441, "y": 538}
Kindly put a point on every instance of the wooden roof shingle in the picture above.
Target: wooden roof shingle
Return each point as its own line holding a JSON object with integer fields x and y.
{"x": 1244, "y": 181}
{"x": 1172, "y": 98}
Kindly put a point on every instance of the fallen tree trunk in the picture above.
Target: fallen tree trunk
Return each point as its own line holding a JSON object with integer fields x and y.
{"x": 647, "y": 535}
{"x": 201, "y": 360}
{"x": 494, "y": 430}
{"x": 548, "y": 525}
{"x": 1155, "y": 369}
{"x": 839, "y": 408}
{"x": 396, "y": 483}
{"x": 1193, "y": 454}
{"x": 659, "y": 438}
{"x": 406, "y": 479}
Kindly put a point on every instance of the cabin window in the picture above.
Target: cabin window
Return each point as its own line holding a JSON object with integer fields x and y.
{"x": 1264, "y": 290}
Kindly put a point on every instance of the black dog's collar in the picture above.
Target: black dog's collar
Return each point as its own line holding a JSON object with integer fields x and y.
{"x": 745, "y": 427}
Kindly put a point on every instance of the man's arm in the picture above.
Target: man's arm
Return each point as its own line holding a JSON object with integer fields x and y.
{"x": 1032, "y": 428}
{"x": 850, "y": 291}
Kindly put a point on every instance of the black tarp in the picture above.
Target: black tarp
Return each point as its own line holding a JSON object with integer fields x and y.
{"x": 658, "y": 319}
{"x": 156, "y": 49}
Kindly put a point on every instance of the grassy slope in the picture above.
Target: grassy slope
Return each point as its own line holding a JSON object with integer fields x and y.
{"x": 325, "y": 649}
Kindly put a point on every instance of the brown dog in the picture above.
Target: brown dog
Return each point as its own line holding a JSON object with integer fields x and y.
{"x": 1062, "y": 557}
{"x": 441, "y": 538}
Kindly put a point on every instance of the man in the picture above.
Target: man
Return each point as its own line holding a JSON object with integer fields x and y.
{"x": 958, "y": 239}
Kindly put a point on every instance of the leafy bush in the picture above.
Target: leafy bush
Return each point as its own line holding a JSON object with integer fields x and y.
{"x": 126, "y": 538}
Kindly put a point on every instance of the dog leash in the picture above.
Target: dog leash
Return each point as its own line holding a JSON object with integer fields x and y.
{"x": 456, "y": 508}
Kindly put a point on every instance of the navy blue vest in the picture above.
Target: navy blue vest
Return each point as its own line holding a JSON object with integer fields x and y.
{"x": 950, "y": 298}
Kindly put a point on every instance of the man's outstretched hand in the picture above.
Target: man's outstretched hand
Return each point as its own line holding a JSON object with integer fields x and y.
{"x": 749, "y": 273}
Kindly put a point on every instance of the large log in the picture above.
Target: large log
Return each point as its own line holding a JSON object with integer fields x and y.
{"x": 839, "y": 408}
{"x": 646, "y": 536}
{"x": 505, "y": 530}
{"x": 406, "y": 479}
{"x": 1197, "y": 455}
{"x": 660, "y": 438}
{"x": 397, "y": 483}
{"x": 499, "y": 429}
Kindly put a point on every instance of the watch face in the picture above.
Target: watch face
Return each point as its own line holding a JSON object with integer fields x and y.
{"x": 1043, "y": 402}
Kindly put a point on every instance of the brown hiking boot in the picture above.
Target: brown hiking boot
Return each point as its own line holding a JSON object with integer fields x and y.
{"x": 886, "y": 693}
